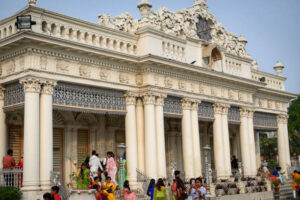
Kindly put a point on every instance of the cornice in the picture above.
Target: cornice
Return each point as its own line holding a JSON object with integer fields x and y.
{"x": 229, "y": 55}
{"x": 262, "y": 92}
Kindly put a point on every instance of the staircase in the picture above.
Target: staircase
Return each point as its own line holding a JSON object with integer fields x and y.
{"x": 139, "y": 195}
{"x": 286, "y": 191}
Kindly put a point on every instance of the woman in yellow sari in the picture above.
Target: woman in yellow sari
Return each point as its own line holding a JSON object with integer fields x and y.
{"x": 109, "y": 189}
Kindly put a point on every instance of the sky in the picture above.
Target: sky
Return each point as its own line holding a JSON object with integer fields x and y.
{"x": 272, "y": 27}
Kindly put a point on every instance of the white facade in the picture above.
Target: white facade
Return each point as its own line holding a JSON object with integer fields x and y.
{"x": 70, "y": 86}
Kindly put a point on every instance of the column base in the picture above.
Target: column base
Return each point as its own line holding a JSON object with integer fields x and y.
{"x": 32, "y": 194}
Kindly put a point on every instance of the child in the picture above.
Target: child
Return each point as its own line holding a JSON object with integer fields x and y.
{"x": 47, "y": 196}
{"x": 54, "y": 193}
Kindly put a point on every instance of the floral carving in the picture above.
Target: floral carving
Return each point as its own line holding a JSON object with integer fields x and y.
{"x": 62, "y": 66}
{"x": 181, "y": 85}
{"x": 22, "y": 63}
{"x": 31, "y": 85}
{"x": 124, "y": 78}
{"x": 11, "y": 66}
{"x": 182, "y": 24}
{"x": 84, "y": 71}
{"x": 201, "y": 88}
{"x": 139, "y": 80}
{"x": 43, "y": 62}
{"x": 104, "y": 74}
{"x": 168, "y": 82}
{"x": 48, "y": 87}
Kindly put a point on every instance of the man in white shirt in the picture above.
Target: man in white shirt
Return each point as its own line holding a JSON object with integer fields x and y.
{"x": 94, "y": 164}
{"x": 197, "y": 191}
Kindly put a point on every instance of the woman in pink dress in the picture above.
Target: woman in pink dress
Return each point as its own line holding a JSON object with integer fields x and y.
{"x": 111, "y": 167}
{"x": 128, "y": 194}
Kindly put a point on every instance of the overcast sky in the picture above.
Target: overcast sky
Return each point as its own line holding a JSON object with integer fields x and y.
{"x": 272, "y": 27}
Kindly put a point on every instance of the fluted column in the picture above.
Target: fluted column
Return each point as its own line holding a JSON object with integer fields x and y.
{"x": 46, "y": 134}
{"x": 257, "y": 144}
{"x": 131, "y": 139}
{"x": 196, "y": 139}
{"x": 282, "y": 142}
{"x": 218, "y": 141}
{"x": 287, "y": 143}
{"x": 187, "y": 139}
{"x": 31, "y": 171}
{"x": 160, "y": 137}
{"x": 150, "y": 136}
{"x": 226, "y": 141}
{"x": 245, "y": 145}
{"x": 140, "y": 134}
{"x": 252, "y": 143}
{"x": 3, "y": 131}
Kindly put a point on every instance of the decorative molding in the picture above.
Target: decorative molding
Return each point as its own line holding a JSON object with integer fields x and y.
{"x": 84, "y": 71}
{"x": 181, "y": 85}
{"x": 31, "y": 85}
{"x": 62, "y": 66}
{"x": 10, "y": 67}
{"x": 168, "y": 82}
{"x": 149, "y": 99}
{"x": 43, "y": 62}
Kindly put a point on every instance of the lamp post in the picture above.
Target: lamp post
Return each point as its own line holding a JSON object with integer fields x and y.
{"x": 206, "y": 151}
{"x": 121, "y": 148}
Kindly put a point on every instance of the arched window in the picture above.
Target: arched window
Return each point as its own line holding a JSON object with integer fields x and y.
{"x": 212, "y": 57}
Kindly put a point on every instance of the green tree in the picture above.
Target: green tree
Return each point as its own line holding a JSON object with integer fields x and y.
{"x": 268, "y": 148}
{"x": 294, "y": 126}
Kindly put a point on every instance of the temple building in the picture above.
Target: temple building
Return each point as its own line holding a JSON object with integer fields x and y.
{"x": 166, "y": 85}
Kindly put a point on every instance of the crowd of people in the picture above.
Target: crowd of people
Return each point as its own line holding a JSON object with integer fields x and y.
{"x": 178, "y": 190}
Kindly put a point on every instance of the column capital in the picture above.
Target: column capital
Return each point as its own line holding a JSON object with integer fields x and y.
{"x": 149, "y": 98}
{"x": 186, "y": 103}
{"x": 48, "y": 86}
{"x": 225, "y": 109}
{"x": 282, "y": 118}
{"x": 218, "y": 108}
{"x": 195, "y": 104}
{"x": 130, "y": 98}
{"x": 32, "y": 85}
{"x": 160, "y": 100}
{"x": 2, "y": 89}
{"x": 250, "y": 113}
{"x": 244, "y": 112}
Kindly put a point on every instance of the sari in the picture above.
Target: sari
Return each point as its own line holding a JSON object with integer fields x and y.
{"x": 109, "y": 190}
{"x": 111, "y": 168}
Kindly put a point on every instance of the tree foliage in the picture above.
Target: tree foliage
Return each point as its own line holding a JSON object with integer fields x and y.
{"x": 294, "y": 126}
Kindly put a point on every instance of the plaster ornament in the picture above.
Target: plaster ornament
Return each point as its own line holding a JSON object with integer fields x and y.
{"x": 168, "y": 82}
{"x": 84, "y": 71}
{"x": 10, "y": 67}
{"x": 181, "y": 85}
{"x": 62, "y": 66}
{"x": 22, "y": 63}
{"x": 231, "y": 94}
{"x": 182, "y": 24}
{"x": 201, "y": 88}
{"x": 123, "y": 78}
{"x": 213, "y": 91}
{"x": 241, "y": 96}
{"x": 104, "y": 74}
{"x": 139, "y": 80}
{"x": 43, "y": 62}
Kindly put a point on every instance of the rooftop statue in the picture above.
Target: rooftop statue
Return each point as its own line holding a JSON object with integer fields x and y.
{"x": 182, "y": 24}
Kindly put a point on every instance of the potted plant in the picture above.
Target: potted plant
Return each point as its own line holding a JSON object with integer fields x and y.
{"x": 276, "y": 183}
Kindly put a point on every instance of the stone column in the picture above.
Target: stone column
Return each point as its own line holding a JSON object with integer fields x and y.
{"x": 257, "y": 148}
{"x": 282, "y": 142}
{"x": 68, "y": 153}
{"x": 3, "y": 131}
{"x": 131, "y": 140}
{"x": 252, "y": 143}
{"x": 150, "y": 136}
{"x": 218, "y": 141}
{"x": 187, "y": 139}
{"x": 160, "y": 137}
{"x": 140, "y": 135}
{"x": 226, "y": 140}
{"x": 46, "y": 134}
{"x": 196, "y": 139}
{"x": 245, "y": 145}
{"x": 287, "y": 143}
{"x": 31, "y": 171}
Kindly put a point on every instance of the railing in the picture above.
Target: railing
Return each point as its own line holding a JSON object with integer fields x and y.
{"x": 144, "y": 180}
{"x": 12, "y": 177}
